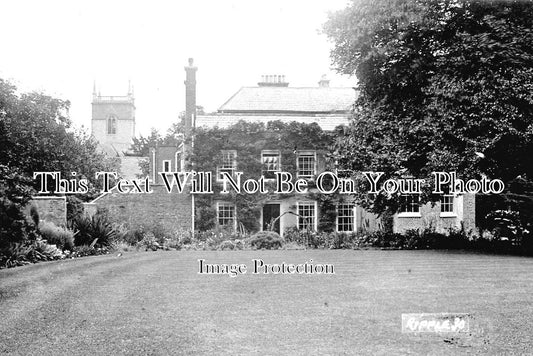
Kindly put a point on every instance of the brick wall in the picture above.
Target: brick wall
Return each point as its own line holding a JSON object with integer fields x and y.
{"x": 172, "y": 210}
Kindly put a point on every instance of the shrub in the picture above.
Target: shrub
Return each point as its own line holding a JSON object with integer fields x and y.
{"x": 149, "y": 242}
{"x": 74, "y": 208}
{"x": 293, "y": 234}
{"x": 61, "y": 237}
{"x": 133, "y": 237}
{"x": 226, "y": 245}
{"x": 34, "y": 214}
{"x": 266, "y": 240}
{"x": 88, "y": 229}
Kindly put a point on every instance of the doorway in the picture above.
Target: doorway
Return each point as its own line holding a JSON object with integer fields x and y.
{"x": 270, "y": 213}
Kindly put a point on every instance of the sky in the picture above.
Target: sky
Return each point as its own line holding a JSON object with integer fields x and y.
{"x": 62, "y": 47}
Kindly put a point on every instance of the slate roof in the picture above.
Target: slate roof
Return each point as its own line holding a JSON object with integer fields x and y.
{"x": 326, "y": 122}
{"x": 268, "y": 99}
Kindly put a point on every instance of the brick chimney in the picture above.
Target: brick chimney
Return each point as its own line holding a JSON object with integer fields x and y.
{"x": 190, "y": 97}
{"x": 273, "y": 81}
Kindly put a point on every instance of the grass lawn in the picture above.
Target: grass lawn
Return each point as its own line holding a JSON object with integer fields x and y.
{"x": 159, "y": 299}
{"x": 358, "y": 310}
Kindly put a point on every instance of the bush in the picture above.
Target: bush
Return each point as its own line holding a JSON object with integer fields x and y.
{"x": 88, "y": 229}
{"x": 34, "y": 214}
{"x": 266, "y": 240}
{"x": 149, "y": 242}
{"x": 74, "y": 208}
{"x": 62, "y": 238}
{"x": 19, "y": 254}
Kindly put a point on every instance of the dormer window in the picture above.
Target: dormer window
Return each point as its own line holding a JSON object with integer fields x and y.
{"x": 112, "y": 125}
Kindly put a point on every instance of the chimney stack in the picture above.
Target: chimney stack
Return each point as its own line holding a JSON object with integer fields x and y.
{"x": 273, "y": 81}
{"x": 190, "y": 97}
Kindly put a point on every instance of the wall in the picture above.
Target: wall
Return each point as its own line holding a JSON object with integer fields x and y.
{"x": 430, "y": 217}
{"x": 157, "y": 156}
{"x": 172, "y": 210}
{"x": 129, "y": 166}
{"x": 364, "y": 220}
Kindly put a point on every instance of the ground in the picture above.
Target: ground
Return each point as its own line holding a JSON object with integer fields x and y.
{"x": 157, "y": 303}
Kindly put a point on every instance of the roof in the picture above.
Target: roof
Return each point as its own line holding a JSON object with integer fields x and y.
{"x": 326, "y": 122}
{"x": 270, "y": 99}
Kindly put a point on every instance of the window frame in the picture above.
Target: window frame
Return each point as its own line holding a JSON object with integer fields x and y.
{"x": 447, "y": 200}
{"x": 352, "y": 217}
{"x": 264, "y": 172}
{"x": 169, "y": 165}
{"x": 233, "y": 218}
{"x": 410, "y": 212}
{"x": 306, "y": 153}
{"x": 112, "y": 123}
{"x": 314, "y": 216}
{"x": 233, "y": 167}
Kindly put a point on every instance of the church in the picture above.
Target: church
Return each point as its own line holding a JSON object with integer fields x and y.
{"x": 113, "y": 126}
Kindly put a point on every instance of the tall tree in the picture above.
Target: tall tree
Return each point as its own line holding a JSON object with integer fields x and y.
{"x": 36, "y": 136}
{"x": 444, "y": 85}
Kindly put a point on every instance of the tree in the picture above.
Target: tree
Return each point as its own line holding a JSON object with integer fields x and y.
{"x": 36, "y": 136}
{"x": 442, "y": 84}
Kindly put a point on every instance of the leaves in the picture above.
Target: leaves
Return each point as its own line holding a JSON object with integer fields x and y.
{"x": 439, "y": 81}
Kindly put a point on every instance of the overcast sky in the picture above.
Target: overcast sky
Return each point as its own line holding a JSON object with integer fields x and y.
{"x": 61, "y": 47}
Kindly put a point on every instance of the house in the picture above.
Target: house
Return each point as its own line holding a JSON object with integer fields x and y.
{"x": 279, "y": 108}
{"x": 329, "y": 107}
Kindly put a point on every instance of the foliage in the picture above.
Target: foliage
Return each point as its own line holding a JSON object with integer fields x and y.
{"x": 149, "y": 242}
{"x": 97, "y": 227}
{"x": 248, "y": 139}
{"x": 15, "y": 192}
{"x": 22, "y": 253}
{"x": 439, "y": 81}
{"x": 268, "y": 240}
{"x": 36, "y": 135}
{"x": 34, "y": 214}
{"x": 55, "y": 235}
{"x": 74, "y": 207}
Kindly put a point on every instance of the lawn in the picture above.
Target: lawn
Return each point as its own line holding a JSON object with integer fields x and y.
{"x": 158, "y": 303}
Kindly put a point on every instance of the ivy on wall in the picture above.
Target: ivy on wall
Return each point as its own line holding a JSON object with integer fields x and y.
{"x": 249, "y": 139}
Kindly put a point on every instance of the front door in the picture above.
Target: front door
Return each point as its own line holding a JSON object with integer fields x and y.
{"x": 270, "y": 213}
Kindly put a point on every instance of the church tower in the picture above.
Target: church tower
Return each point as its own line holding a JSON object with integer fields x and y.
{"x": 113, "y": 121}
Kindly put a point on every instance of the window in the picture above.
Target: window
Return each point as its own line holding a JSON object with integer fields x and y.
{"x": 346, "y": 218}
{"x": 228, "y": 164}
{"x": 305, "y": 164}
{"x": 111, "y": 125}
{"x": 271, "y": 163}
{"x": 446, "y": 204}
{"x": 307, "y": 216}
{"x": 179, "y": 163}
{"x": 410, "y": 204}
{"x": 226, "y": 214}
{"x": 166, "y": 166}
